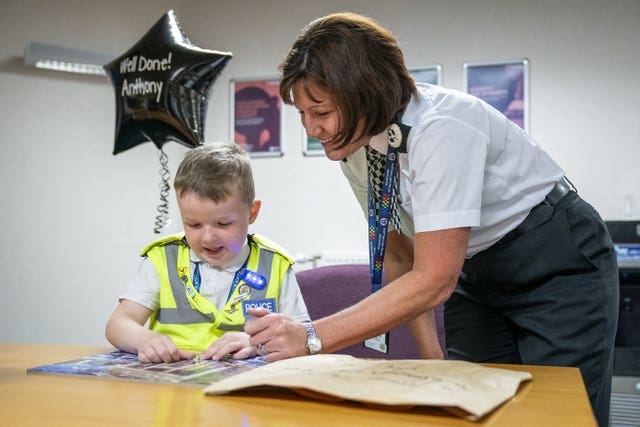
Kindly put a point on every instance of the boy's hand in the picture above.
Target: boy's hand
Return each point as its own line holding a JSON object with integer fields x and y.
{"x": 231, "y": 344}
{"x": 159, "y": 348}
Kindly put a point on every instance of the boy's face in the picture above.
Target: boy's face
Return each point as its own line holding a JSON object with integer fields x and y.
{"x": 216, "y": 231}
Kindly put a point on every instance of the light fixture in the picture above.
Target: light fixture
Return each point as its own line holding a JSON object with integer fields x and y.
{"x": 60, "y": 58}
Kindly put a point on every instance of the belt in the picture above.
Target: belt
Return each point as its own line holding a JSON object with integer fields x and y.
{"x": 561, "y": 189}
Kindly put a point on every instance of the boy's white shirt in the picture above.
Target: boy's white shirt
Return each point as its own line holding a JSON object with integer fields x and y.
{"x": 144, "y": 287}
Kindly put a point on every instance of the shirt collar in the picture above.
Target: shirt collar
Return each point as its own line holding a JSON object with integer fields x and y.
{"x": 380, "y": 142}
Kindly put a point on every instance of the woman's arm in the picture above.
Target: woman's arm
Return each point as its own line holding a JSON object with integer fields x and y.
{"x": 398, "y": 260}
{"x": 438, "y": 259}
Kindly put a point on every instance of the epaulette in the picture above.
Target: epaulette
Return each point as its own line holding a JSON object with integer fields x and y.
{"x": 271, "y": 245}
{"x": 162, "y": 241}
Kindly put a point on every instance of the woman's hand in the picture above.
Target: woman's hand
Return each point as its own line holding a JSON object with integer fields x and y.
{"x": 278, "y": 336}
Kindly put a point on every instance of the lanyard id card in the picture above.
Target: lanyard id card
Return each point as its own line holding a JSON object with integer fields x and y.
{"x": 378, "y": 237}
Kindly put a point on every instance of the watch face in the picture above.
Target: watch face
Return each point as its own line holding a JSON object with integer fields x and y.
{"x": 314, "y": 345}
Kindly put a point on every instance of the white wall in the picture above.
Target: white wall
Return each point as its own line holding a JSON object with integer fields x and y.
{"x": 74, "y": 216}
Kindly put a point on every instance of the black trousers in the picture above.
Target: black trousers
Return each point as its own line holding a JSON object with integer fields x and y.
{"x": 546, "y": 294}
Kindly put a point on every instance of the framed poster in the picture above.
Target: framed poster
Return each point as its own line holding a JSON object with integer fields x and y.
{"x": 311, "y": 146}
{"x": 256, "y": 116}
{"x": 431, "y": 74}
{"x": 502, "y": 84}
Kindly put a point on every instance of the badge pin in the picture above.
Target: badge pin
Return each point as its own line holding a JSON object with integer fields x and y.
{"x": 244, "y": 289}
{"x": 395, "y": 135}
{"x": 236, "y": 300}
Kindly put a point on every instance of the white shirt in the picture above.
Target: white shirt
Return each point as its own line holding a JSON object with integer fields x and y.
{"x": 144, "y": 286}
{"x": 466, "y": 165}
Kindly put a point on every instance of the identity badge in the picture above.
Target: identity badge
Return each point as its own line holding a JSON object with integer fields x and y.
{"x": 244, "y": 290}
{"x": 379, "y": 343}
{"x": 268, "y": 303}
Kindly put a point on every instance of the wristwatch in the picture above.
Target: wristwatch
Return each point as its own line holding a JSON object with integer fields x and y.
{"x": 314, "y": 345}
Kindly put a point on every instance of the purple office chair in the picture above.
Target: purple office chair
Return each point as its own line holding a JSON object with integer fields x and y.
{"x": 332, "y": 288}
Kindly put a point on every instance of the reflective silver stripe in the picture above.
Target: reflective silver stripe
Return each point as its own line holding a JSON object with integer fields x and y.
{"x": 175, "y": 316}
{"x": 265, "y": 265}
{"x": 183, "y": 314}
{"x": 226, "y": 327}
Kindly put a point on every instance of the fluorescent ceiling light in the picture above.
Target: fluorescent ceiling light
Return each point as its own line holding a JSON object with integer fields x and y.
{"x": 60, "y": 58}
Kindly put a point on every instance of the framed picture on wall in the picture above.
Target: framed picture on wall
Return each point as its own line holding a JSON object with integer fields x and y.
{"x": 311, "y": 146}
{"x": 502, "y": 84}
{"x": 256, "y": 116}
{"x": 431, "y": 74}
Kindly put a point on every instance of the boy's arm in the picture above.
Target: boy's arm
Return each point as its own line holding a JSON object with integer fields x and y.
{"x": 125, "y": 330}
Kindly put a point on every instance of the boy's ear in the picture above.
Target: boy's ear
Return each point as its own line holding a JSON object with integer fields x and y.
{"x": 255, "y": 208}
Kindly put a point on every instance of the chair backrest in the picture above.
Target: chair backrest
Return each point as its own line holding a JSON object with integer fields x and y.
{"x": 329, "y": 289}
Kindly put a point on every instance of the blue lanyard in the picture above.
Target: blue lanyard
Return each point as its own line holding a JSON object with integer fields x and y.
{"x": 253, "y": 279}
{"x": 378, "y": 229}
{"x": 196, "y": 277}
{"x": 236, "y": 280}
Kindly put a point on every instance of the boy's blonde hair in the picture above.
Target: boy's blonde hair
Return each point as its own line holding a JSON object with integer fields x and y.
{"x": 216, "y": 171}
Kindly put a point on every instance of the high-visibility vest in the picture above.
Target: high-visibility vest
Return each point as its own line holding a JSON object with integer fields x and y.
{"x": 188, "y": 318}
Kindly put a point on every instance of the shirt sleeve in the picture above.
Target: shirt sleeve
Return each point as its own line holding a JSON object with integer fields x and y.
{"x": 446, "y": 170}
{"x": 144, "y": 287}
{"x": 291, "y": 302}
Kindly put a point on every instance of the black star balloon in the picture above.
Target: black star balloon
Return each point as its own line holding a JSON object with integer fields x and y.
{"x": 161, "y": 86}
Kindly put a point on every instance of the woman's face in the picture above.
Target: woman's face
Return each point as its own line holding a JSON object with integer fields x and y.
{"x": 321, "y": 119}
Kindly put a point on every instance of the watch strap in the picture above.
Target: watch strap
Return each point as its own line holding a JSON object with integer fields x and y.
{"x": 314, "y": 344}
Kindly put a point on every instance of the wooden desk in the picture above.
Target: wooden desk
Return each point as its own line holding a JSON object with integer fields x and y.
{"x": 555, "y": 397}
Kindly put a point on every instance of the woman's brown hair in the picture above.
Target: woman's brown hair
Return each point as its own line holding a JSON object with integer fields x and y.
{"x": 359, "y": 63}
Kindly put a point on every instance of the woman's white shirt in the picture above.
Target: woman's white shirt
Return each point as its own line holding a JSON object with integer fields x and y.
{"x": 466, "y": 165}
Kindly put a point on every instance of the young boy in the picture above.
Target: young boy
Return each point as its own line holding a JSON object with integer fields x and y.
{"x": 194, "y": 287}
